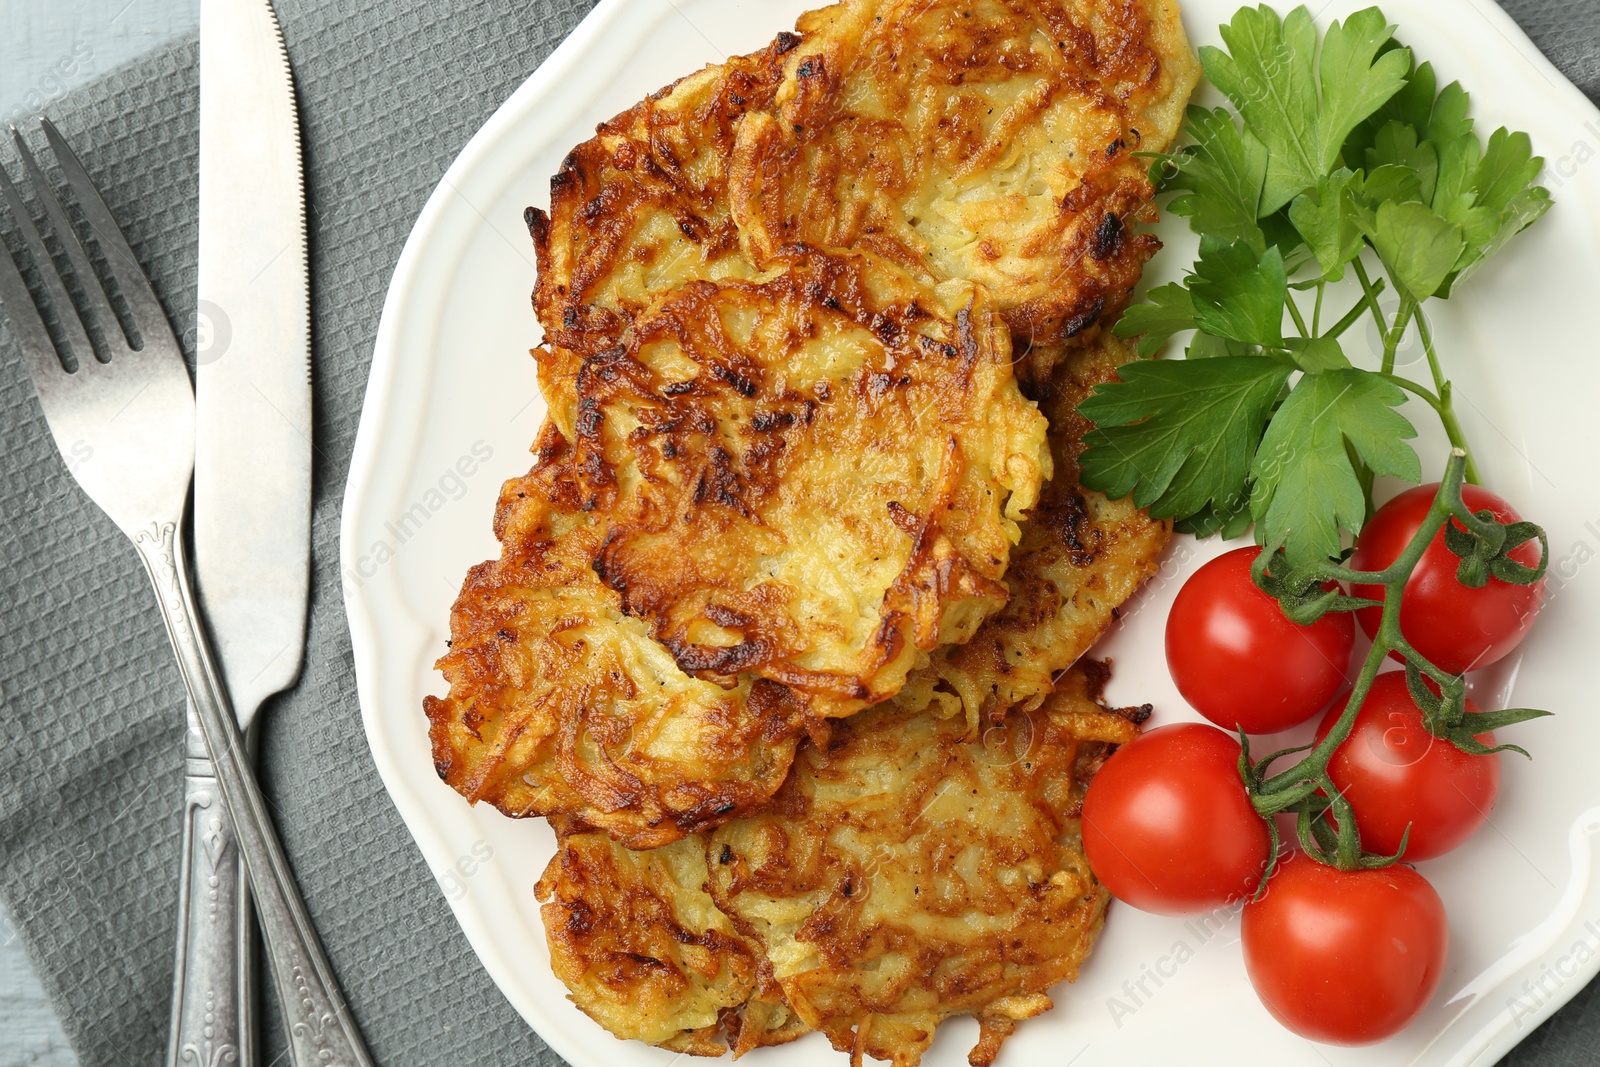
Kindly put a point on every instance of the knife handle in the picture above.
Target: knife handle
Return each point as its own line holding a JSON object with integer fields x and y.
{"x": 213, "y": 992}
{"x": 321, "y": 1031}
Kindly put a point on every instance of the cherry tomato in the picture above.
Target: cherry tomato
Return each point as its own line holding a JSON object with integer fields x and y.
{"x": 1458, "y": 629}
{"x": 1345, "y": 957}
{"x": 1395, "y": 773}
{"x": 1240, "y": 662}
{"x": 1167, "y": 825}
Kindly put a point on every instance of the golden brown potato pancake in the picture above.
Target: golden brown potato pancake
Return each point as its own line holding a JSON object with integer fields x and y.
{"x": 904, "y": 874}
{"x": 639, "y": 209}
{"x": 559, "y": 703}
{"x": 989, "y": 140}
{"x": 812, "y": 476}
{"x": 780, "y": 482}
{"x": 982, "y": 140}
{"x": 645, "y": 951}
{"x": 780, "y": 494}
{"x": 1080, "y": 558}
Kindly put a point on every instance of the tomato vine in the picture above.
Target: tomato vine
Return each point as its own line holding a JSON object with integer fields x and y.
{"x": 1483, "y": 545}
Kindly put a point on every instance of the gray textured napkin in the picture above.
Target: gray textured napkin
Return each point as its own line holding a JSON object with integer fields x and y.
{"x": 91, "y": 711}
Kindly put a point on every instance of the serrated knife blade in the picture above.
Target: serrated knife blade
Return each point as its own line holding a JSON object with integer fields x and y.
{"x": 252, "y": 486}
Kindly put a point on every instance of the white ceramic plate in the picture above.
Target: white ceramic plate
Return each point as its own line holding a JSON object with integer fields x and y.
{"x": 452, "y": 407}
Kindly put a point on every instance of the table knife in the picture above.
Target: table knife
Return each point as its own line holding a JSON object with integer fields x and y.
{"x": 252, "y": 491}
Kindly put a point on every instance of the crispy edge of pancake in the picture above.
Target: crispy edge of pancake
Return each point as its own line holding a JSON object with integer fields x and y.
{"x": 906, "y": 874}
{"x": 1166, "y": 102}
{"x": 1081, "y": 557}
{"x": 1126, "y": 61}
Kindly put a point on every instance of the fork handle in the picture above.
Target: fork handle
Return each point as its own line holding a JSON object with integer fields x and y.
{"x": 213, "y": 992}
{"x": 321, "y": 1032}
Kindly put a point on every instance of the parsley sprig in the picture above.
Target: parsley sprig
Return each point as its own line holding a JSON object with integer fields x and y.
{"x": 1344, "y": 155}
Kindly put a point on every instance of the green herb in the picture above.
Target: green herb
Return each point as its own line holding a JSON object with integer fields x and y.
{"x": 1344, "y": 156}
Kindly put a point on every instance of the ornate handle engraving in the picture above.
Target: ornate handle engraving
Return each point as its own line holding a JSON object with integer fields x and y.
{"x": 304, "y": 979}
{"x": 157, "y": 546}
{"x": 212, "y": 1024}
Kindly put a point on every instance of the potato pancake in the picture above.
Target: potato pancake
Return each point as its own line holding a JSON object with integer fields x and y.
{"x": 781, "y": 494}
{"x": 811, "y": 477}
{"x": 639, "y": 209}
{"x": 981, "y": 140}
{"x": 785, "y": 632}
{"x": 559, "y": 703}
{"x": 989, "y": 140}
{"x": 904, "y": 874}
{"x": 645, "y": 950}
{"x": 1081, "y": 557}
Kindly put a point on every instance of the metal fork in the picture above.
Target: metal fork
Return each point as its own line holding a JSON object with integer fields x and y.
{"x": 131, "y": 413}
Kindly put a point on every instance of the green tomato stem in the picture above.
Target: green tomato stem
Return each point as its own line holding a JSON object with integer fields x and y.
{"x": 1287, "y": 788}
{"x": 1306, "y": 788}
{"x": 1347, "y": 853}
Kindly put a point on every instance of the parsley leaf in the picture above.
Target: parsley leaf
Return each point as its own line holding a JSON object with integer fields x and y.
{"x": 1391, "y": 182}
{"x": 1179, "y": 434}
{"x": 1328, "y": 219}
{"x": 1358, "y": 76}
{"x": 1213, "y": 520}
{"x": 1458, "y": 167}
{"x": 1170, "y": 310}
{"x": 1315, "y": 354}
{"x": 1501, "y": 202}
{"x": 1220, "y": 178}
{"x": 1345, "y": 144}
{"x": 1208, "y": 346}
{"x": 1397, "y": 145}
{"x": 1523, "y": 211}
{"x": 1418, "y": 248}
{"x": 1301, "y": 107}
{"x": 1306, "y": 487}
{"x": 1508, "y": 167}
{"x": 1238, "y": 295}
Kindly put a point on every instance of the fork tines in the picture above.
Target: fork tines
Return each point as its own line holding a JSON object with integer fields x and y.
{"x": 148, "y": 319}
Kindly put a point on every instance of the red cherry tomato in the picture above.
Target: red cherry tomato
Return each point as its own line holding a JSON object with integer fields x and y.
{"x": 1396, "y": 773}
{"x": 1345, "y": 957}
{"x": 1458, "y": 629}
{"x": 1240, "y": 662}
{"x": 1167, "y": 825}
